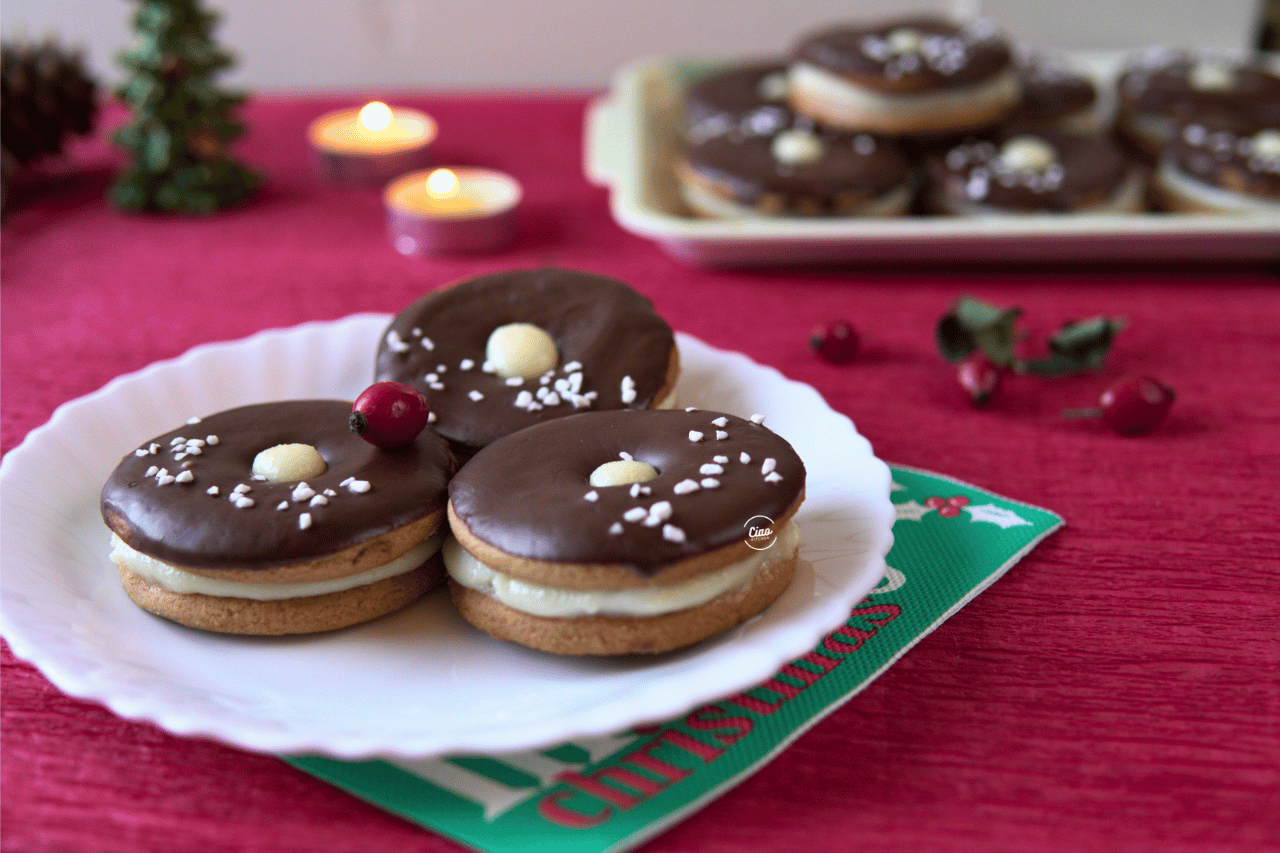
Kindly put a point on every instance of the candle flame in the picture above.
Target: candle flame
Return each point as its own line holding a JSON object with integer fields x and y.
{"x": 375, "y": 116}
{"x": 442, "y": 183}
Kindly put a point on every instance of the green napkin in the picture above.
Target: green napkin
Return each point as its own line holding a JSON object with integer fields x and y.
{"x": 952, "y": 540}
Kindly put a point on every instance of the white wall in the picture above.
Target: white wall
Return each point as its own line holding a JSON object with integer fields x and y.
{"x": 433, "y": 44}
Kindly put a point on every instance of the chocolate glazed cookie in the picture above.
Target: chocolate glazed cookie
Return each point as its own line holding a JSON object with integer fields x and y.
{"x": 1221, "y": 167}
{"x": 622, "y": 532}
{"x": 505, "y": 351}
{"x": 915, "y": 75}
{"x": 275, "y": 519}
{"x": 755, "y": 157}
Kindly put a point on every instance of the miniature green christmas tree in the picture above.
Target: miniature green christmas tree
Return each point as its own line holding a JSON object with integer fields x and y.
{"x": 182, "y": 123}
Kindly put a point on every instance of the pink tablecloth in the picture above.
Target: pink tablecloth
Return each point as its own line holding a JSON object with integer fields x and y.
{"x": 1117, "y": 691}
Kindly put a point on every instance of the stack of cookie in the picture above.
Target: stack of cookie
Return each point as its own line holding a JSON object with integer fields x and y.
{"x": 929, "y": 115}
{"x": 588, "y": 516}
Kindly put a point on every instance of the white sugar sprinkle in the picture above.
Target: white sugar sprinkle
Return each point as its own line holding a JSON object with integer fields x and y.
{"x": 152, "y": 471}
{"x": 552, "y": 399}
{"x": 358, "y": 486}
{"x": 615, "y": 528}
{"x": 635, "y": 513}
{"x": 304, "y": 521}
{"x": 769, "y": 465}
{"x": 154, "y": 448}
{"x": 431, "y": 417}
{"x": 212, "y": 490}
{"x": 141, "y": 452}
{"x": 711, "y": 468}
{"x": 394, "y": 342}
{"x": 192, "y": 450}
{"x": 348, "y": 480}
{"x": 193, "y": 420}
{"x": 242, "y": 488}
{"x": 164, "y": 479}
{"x": 660, "y": 510}
{"x": 211, "y": 439}
{"x": 710, "y": 483}
{"x": 625, "y": 455}
{"x": 330, "y": 492}
{"x": 178, "y": 440}
{"x": 572, "y": 366}
{"x": 475, "y": 395}
{"x": 178, "y": 456}
{"x": 440, "y": 368}
{"x": 319, "y": 500}
{"x": 426, "y": 342}
{"x": 684, "y": 487}
{"x": 243, "y": 502}
{"x": 523, "y": 399}
{"x": 691, "y": 408}
{"x": 694, "y": 435}
{"x": 185, "y": 477}
{"x": 282, "y": 505}
{"x": 721, "y": 435}
{"x": 721, "y": 422}
{"x": 628, "y": 389}
{"x": 757, "y": 419}
{"x": 720, "y": 459}
{"x": 195, "y": 442}
{"x": 431, "y": 377}
{"x": 745, "y": 458}
{"x": 513, "y": 381}
{"x": 773, "y": 477}
{"x": 488, "y": 367}
{"x": 671, "y": 533}
{"x": 466, "y": 364}
{"x": 303, "y": 492}
{"x": 635, "y": 490}
{"x": 592, "y": 495}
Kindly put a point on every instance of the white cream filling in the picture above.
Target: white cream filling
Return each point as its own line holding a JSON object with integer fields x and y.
{"x": 177, "y": 580}
{"x": 539, "y": 600}
{"x": 1180, "y": 183}
{"x": 845, "y": 101}
{"x": 893, "y": 203}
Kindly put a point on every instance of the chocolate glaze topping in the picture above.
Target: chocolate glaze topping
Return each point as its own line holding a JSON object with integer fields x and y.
{"x": 720, "y": 101}
{"x": 600, "y": 323}
{"x": 1051, "y": 90}
{"x": 1158, "y": 83}
{"x": 181, "y": 523}
{"x": 525, "y": 493}
{"x": 1225, "y": 155}
{"x": 950, "y": 55}
{"x": 1087, "y": 171}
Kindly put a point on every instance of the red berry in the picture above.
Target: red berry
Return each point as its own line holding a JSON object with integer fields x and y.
{"x": 389, "y": 414}
{"x": 1136, "y": 404}
{"x": 978, "y": 377}
{"x": 837, "y": 342}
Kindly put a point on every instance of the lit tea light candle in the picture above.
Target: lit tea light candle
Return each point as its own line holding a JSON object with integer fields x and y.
{"x": 452, "y": 210}
{"x": 371, "y": 144}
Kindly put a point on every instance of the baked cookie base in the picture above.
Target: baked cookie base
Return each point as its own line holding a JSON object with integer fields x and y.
{"x": 289, "y": 616}
{"x": 620, "y": 635}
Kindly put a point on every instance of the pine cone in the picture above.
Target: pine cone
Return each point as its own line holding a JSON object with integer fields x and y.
{"x": 46, "y": 95}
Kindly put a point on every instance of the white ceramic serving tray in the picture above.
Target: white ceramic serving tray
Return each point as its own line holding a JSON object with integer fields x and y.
{"x": 631, "y": 140}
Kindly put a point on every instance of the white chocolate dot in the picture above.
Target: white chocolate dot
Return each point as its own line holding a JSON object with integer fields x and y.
{"x": 1027, "y": 154}
{"x": 623, "y": 472}
{"x": 773, "y": 87}
{"x": 521, "y": 349}
{"x": 1266, "y": 145}
{"x": 1211, "y": 77}
{"x": 794, "y": 147}
{"x": 288, "y": 462}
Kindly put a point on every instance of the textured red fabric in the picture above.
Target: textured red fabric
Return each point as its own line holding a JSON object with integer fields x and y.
{"x": 1118, "y": 690}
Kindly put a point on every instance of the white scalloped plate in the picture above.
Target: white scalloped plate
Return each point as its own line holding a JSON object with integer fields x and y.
{"x": 421, "y": 682}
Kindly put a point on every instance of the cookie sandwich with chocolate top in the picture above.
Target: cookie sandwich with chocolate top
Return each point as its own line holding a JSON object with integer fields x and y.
{"x": 624, "y": 532}
{"x": 508, "y": 350}
{"x": 1019, "y": 172}
{"x": 276, "y": 519}
{"x": 746, "y": 154}
{"x": 908, "y": 76}
{"x": 1221, "y": 167}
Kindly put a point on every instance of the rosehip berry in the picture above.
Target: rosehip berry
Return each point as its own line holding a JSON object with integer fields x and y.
{"x": 389, "y": 414}
{"x": 1136, "y": 405}
{"x": 837, "y": 342}
{"x": 978, "y": 377}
